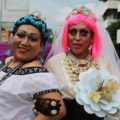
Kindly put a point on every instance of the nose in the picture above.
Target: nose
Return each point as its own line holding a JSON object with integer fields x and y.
{"x": 77, "y": 36}
{"x": 25, "y": 40}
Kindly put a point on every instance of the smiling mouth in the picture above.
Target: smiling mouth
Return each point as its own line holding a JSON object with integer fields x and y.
{"x": 23, "y": 50}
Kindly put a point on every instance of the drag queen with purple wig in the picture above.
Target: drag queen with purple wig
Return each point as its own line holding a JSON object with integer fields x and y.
{"x": 85, "y": 52}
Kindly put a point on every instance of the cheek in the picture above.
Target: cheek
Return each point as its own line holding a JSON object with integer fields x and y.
{"x": 70, "y": 37}
{"x": 70, "y": 40}
{"x": 69, "y": 43}
{"x": 15, "y": 40}
{"x": 14, "y": 43}
{"x": 89, "y": 40}
{"x": 36, "y": 48}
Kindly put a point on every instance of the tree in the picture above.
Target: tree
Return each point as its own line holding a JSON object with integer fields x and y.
{"x": 112, "y": 29}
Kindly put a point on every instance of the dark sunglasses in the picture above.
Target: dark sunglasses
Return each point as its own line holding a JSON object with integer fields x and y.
{"x": 32, "y": 36}
{"x": 83, "y": 32}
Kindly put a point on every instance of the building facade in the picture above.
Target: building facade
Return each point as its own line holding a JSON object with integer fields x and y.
{"x": 10, "y": 10}
{"x": 111, "y": 14}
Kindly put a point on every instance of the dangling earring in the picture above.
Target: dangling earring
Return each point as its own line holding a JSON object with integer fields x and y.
{"x": 40, "y": 58}
{"x": 90, "y": 49}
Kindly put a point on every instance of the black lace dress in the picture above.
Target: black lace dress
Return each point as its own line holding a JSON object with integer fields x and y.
{"x": 77, "y": 112}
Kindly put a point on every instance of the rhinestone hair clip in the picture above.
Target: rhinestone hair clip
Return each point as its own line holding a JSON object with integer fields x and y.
{"x": 37, "y": 15}
{"x": 83, "y": 10}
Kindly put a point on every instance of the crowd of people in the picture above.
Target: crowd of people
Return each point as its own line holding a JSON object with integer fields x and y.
{"x": 30, "y": 90}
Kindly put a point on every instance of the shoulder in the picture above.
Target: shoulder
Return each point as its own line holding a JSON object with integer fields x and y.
{"x": 104, "y": 63}
{"x": 6, "y": 60}
{"x": 57, "y": 58}
{"x": 55, "y": 64}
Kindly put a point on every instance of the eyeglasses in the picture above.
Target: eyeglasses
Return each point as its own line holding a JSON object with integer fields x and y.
{"x": 83, "y": 32}
{"x": 32, "y": 36}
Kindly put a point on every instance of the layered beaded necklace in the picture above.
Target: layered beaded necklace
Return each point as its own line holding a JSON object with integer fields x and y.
{"x": 74, "y": 66}
{"x": 2, "y": 79}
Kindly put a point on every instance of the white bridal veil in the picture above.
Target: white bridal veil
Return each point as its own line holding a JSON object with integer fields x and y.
{"x": 108, "y": 50}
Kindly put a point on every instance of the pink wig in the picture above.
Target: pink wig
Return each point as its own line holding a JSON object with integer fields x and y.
{"x": 91, "y": 23}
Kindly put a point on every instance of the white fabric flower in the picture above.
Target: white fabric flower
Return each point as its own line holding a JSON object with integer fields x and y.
{"x": 98, "y": 91}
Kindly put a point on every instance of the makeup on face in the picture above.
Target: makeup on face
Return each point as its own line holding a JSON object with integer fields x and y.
{"x": 32, "y": 36}
{"x": 83, "y": 31}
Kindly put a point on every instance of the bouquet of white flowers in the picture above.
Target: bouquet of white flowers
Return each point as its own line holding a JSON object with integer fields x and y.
{"x": 98, "y": 91}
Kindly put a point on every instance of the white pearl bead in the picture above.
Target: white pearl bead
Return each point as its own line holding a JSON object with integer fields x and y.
{"x": 53, "y": 103}
{"x": 53, "y": 112}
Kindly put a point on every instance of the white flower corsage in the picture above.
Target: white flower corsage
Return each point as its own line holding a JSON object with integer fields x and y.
{"x": 98, "y": 91}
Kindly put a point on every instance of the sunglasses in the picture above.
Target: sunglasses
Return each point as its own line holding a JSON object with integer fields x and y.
{"x": 32, "y": 36}
{"x": 83, "y": 32}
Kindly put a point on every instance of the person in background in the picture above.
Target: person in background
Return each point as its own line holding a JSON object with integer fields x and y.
{"x": 84, "y": 44}
{"x": 28, "y": 91}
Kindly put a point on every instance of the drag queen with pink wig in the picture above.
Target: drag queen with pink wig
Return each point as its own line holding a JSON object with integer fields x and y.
{"x": 84, "y": 44}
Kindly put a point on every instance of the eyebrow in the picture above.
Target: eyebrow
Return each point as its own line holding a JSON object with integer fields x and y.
{"x": 27, "y": 33}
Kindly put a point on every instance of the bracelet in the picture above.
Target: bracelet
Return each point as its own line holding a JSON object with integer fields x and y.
{"x": 49, "y": 107}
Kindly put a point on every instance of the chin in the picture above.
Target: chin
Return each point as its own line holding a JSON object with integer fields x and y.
{"x": 21, "y": 58}
{"x": 75, "y": 52}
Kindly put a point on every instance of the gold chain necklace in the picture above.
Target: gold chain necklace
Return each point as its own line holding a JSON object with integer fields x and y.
{"x": 74, "y": 66}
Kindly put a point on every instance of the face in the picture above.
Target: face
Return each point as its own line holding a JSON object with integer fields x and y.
{"x": 79, "y": 40}
{"x": 27, "y": 43}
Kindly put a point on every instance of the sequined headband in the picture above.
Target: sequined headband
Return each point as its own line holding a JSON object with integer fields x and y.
{"x": 37, "y": 16}
{"x": 83, "y": 10}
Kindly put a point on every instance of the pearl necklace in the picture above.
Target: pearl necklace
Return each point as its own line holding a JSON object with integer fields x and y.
{"x": 74, "y": 66}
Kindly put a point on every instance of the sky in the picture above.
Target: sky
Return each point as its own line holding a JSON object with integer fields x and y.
{"x": 55, "y": 11}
